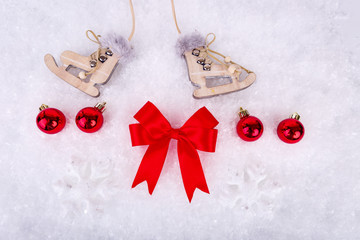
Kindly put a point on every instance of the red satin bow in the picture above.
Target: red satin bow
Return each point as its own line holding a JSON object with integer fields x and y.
{"x": 154, "y": 130}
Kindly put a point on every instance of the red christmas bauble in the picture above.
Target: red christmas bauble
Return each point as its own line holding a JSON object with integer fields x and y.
{"x": 291, "y": 130}
{"x": 50, "y": 120}
{"x": 90, "y": 119}
{"x": 249, "y": 128}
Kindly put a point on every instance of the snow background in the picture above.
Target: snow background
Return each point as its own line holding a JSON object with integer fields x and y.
{"x": 78, "y": 186}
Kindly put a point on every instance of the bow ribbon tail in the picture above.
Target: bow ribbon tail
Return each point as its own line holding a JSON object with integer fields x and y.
{"x": 152, "y": 164}
{"x": 191, "y": 169}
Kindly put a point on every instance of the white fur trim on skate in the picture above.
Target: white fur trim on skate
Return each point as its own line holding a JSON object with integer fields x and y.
{"x": 189, "y": 42}
{"x": 119, "y": 45}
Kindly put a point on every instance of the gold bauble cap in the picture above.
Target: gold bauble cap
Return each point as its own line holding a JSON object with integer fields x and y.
{"x": 43, "y": 106}
{"x": 295, "y": 116}
{"x": 243, "y": 113}
{"x": 101, "y": 106}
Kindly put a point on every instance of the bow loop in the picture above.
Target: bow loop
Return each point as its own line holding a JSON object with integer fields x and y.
{"x": 202, "y": 118}
{"x": 153, "y": 121}
{"x": 203, "y": 139}
{"x": 154, "y": 130}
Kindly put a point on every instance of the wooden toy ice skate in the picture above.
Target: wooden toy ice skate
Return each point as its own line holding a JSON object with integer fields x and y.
{"x": 215, "y": 78}
{"x": 85, "y": 72}
{"x": 211, "y": 78}
{"x": 94, "y": 69}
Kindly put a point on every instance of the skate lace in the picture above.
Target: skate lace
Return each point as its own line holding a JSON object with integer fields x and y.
{"x": 97, "y": 41}
{"x": 209, "y": 51}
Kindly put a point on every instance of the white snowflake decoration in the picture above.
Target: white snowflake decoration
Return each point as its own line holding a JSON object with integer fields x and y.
{"x": 87, "y": 186}
{"x": 251, "y": 189}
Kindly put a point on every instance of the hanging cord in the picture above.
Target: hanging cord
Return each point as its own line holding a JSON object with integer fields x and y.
{"x": 133, "y": 20}
{"x": 174, "y": 16}
{"x": 226, "y": 59}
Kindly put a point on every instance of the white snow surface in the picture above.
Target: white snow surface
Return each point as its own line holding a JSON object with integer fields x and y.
{"x": 74, "y": 185}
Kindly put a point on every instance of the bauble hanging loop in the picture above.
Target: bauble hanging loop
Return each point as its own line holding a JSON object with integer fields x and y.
{"x": 50, "y": 120}
{"x": 291, "y": 130}
{"x": 90, "y": 119}
{"x": 249, "y": 128}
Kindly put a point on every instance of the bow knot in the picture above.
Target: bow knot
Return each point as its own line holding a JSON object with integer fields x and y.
{"x": 153, "y": 129}
{"x": 174, "y": 133}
